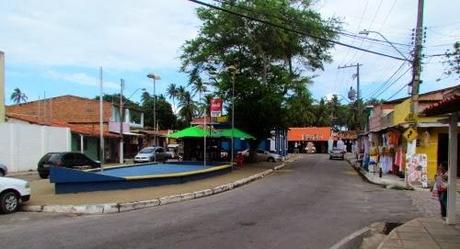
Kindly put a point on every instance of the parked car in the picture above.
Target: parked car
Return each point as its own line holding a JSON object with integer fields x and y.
{"x": 12, "y": 193}
{"x": 337, "y": 153}
{"x": 149, "y": 154}
{"x": 73, "y": 160}
{"x": 172, "y": 150}
{"x": 3, "y": 170}
{"x": 263, "y": 155}
{"x": 310, "y": 148}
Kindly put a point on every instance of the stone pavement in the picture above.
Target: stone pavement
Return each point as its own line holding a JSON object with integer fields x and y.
{"x": 421, "y": 233}
{"x": 425, "y": 232}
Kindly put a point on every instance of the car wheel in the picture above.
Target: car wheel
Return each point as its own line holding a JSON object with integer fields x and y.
{"x": 9, "y": 202}
{"x": 43, "y": 175}
{"x": 2, "y": 173}
{"x": 271, "y": 159}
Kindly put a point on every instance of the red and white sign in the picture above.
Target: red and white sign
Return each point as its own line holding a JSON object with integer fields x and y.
{"x": 216, "y": 107}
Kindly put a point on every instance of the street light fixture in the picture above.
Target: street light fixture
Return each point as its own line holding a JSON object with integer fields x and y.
{"x": 154, "y": 77}
{"x": 366, "y": 32}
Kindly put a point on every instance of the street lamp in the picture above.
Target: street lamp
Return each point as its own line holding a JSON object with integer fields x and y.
{"x": 366, "y": 32}
{"x": 232, "y": 70}
{"x": 154, "y": 77}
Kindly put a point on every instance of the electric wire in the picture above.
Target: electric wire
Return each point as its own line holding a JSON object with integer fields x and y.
{"x": 393, "y": 82}
{"x": 294, "y": 30}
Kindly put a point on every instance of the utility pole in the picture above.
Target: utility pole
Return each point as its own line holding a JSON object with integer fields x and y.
{"x": 357, "y": 65}
{"x": 358, "y": 95}
{"x": 417, "y": 65}
{"x": 122, "y": 85}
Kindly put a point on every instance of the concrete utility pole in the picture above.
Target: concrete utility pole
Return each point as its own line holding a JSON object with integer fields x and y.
{"x": 357, "y": 65}
{"x": 122, "y": 85}
{"x": 2, "y": 87}
{"x": 101, "y": 121}
{"x": 358, "y": 95}
{"x": 417, "y": 65}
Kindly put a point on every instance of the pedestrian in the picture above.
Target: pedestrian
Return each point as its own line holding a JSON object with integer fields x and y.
{"x": 441, "y": 187}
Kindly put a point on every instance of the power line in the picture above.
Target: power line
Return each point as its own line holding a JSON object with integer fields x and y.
{"x": 387, "y": 81}
{"x": 394, "y": 82}
{"x": 397, "y": 92}
{"x": 294, "y": 31}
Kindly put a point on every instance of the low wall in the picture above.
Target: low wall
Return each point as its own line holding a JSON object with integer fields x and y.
{"x": 22, "y": 145}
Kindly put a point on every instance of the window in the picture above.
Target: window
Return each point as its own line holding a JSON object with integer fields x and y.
{"x": 85, "y": 142}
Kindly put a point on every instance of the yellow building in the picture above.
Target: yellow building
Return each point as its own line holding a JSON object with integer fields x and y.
{"x": 432, "y": 135}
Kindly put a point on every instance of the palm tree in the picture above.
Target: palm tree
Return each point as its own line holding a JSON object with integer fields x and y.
{"x": 172, "y": 93}
{"x": 187, "y": 106}
{"x": 17, "y": 96}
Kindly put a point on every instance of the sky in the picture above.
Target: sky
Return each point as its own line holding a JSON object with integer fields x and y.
{"x": 56, "y": 47}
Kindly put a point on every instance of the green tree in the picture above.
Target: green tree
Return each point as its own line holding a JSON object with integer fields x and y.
{"x": 453, "y": 60}
{"x": 18, "y": 96}
{"x": 164, "y": 114}
{"x": 270, "y": 62}
{"x": 187, "y": 107}
{"x": 172, "y": 93}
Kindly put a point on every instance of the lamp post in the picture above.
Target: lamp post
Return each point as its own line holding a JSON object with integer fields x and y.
{"x": 232, "y": 70}
{"x": 154, "y": 77}
{"x": 366, "y": 32}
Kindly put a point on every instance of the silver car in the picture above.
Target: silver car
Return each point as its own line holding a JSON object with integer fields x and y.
{"x": 3, "y": 170}
{"x": 149, "y": 154}
{"x": 264, "y": 155}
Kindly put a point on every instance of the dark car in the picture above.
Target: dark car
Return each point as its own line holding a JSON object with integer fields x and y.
{"x": 337, "y": 153}
{"x": 73, "y": 160}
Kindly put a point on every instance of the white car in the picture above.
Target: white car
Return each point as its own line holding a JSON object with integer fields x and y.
{"x": 149, "y": 154}
{"x": 12, "y": 192}
{"x": 263, "y": 155}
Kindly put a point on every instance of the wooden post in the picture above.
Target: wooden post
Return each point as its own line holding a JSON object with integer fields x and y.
{"x": 452, "y": 182}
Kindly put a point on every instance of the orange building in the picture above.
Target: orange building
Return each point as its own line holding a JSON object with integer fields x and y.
{"x": 298, "y": 138}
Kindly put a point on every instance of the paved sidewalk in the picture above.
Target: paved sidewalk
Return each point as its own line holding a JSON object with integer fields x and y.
{"x": 421, "y": 233}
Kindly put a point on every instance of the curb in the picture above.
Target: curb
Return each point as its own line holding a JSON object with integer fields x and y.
{"x": 364, "y": 176}
{"x": 353, "y": 240}
{"x": 109, "y": 208}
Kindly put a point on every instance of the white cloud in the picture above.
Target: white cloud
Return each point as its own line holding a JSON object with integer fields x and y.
{"x": 82, "y": 79}
{"x": 115, "y": 34}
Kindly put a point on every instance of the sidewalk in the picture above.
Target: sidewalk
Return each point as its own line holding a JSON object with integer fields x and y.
{"x": 421, "y": 233}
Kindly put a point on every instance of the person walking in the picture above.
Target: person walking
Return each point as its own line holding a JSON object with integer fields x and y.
{"x": 441, "y": 187}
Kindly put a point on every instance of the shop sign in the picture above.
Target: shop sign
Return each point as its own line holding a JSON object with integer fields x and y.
{"x": 216, "y": 107}
{"x": 410, "y": 134}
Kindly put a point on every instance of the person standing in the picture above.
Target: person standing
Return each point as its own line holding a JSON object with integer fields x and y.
{"x": 441, "y": 186}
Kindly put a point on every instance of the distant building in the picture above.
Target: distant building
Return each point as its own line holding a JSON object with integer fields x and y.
{"x": 81, "y": 115}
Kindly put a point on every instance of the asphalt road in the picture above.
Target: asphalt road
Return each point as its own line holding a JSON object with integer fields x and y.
{"x": 313, "y": 203}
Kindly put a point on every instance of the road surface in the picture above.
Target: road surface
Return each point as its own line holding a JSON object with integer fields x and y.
{"x": 312, "y": 203}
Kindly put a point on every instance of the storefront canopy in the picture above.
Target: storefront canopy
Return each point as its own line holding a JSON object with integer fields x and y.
{"x": 196, "y": 131}
{"x": 237, "y": 133}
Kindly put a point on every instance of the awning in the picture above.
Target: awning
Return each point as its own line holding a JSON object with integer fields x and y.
{"x": 235, "y": 133}
{"x": 197, "y": 131}
{"x": 194, "y": 131}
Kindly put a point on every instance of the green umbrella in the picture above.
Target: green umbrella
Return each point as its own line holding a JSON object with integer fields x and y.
{"x": 237, "y": 133}
{"x": 194, "y": 131}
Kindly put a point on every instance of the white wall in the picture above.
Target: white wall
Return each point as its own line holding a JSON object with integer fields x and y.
{"x": 22, "y": 145}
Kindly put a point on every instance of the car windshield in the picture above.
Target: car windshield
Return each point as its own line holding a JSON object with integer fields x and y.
{"x": 146, "y": 151}
{"x": 54, "y": 157}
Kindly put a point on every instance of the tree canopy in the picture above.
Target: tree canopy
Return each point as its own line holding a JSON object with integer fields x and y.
{"x": 271, "y": 64}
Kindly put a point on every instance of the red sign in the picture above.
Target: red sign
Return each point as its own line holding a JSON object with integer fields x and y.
{"x": 216, "y": 107}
